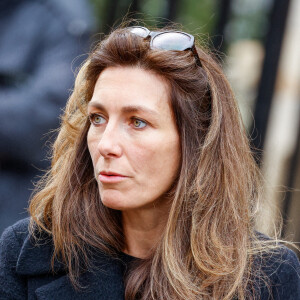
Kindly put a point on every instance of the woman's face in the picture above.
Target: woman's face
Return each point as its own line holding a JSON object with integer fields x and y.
{"x": 133, "y": 140}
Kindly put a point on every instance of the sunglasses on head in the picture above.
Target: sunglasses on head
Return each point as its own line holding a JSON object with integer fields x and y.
{"x": 167, "y": 40}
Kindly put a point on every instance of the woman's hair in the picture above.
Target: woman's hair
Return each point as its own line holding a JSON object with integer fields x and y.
{"x": 209, "y": 244}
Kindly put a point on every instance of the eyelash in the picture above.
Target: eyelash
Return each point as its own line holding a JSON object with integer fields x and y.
{"x": 92, "y": 117}
{"x": 139, "y": 120}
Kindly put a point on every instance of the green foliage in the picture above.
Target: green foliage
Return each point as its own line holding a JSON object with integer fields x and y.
{"x": 99, "y": 11}
{"x": 247, "y": 20}
{"x": 196, "y": 16}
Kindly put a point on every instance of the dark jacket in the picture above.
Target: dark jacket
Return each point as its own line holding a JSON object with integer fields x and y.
{"x": 25, "y": 272}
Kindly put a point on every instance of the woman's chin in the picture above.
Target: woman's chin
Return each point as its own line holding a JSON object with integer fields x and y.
{"x": 113, "y": 199}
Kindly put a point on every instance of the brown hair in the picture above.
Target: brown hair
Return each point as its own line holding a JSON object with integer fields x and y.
{"x": 209, "y": 243}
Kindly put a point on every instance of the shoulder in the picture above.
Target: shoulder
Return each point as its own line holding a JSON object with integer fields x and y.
{"x": 26, "y": 262}
{"x": 281, "y": 269}
{"x": 11, "y": 242}
{"x": 282, "y": 265}
{"x": 13, "y": 237}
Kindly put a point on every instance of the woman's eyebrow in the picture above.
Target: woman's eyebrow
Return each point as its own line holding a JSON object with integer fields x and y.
{"x": 139, "y": 108}
{"x": 96, "y": 105}
{"x": 127, "y": 109}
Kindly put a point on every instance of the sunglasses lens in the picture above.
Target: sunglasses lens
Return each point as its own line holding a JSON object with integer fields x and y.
{"x": 140, "y": 31}
{"x": 172, "y": 41}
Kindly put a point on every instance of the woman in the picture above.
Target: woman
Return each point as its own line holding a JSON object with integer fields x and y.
{"x": 153, "y": 189}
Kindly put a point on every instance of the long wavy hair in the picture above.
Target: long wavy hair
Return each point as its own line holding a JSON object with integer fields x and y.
{"x": 209, "y": 244}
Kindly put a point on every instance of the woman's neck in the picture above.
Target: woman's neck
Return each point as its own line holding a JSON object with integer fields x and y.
{"x": 143, "y": 229}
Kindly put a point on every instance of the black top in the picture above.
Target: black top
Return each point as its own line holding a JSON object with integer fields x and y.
{"x": 25, "y": 272}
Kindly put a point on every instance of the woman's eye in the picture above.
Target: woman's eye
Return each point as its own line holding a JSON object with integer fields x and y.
{"x": 137, "y": 123}
{"x": 96, "y": 119}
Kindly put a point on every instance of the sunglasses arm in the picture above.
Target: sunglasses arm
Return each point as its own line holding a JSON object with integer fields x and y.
{"x": 194, "y": 50}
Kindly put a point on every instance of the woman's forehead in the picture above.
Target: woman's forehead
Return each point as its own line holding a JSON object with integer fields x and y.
{"x": 131, "y": 87}
{"x": 127, "y": 75}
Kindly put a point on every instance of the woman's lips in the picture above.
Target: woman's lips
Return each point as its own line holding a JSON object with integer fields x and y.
{"x": 111, "y": 177}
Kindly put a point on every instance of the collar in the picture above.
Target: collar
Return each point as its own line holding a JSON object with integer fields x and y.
{"x": 34, "y": 262}
{"x": 35, "y": 257}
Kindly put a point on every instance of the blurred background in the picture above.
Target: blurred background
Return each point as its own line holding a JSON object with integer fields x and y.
{"x": 258, "y": 43}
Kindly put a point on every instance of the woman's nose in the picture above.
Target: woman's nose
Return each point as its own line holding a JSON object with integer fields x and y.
{"x": 109, "y": 143}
